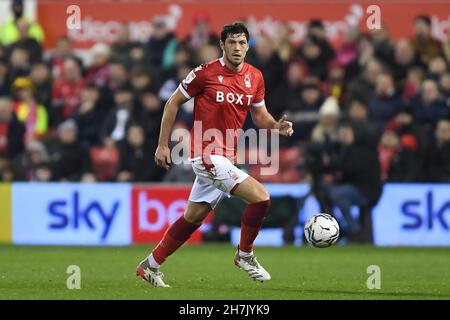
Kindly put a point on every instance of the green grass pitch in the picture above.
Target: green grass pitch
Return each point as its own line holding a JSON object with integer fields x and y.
{"x": 207, "y": 272}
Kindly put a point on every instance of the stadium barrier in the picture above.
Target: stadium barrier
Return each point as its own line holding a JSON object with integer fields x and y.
{"x": 123, "y": 214}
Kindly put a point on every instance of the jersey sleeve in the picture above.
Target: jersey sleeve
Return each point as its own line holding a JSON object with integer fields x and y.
{"x": 194, "y": 82}
{"x": 258, "y": 101}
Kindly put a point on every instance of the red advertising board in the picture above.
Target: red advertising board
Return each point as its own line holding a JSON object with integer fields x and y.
{"x": 155, "y": 208}
{"x": 100, "y": 20}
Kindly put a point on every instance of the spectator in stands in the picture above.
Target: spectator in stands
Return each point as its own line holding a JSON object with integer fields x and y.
{"x": 32, "y": 114}
{"x": 7, "y": 173}
{"x": 64, "y": 50}
{"x": 201, "y": 33}
{"x": 404, "y": 58}
{"x": 358, "y": 115}
{"x": 185, "y": 113}
{"x": 304, "y": 110}
{"x": 113, "y": 129}
{"x": 321, "y": 149}
{"x": 382, "y": 44}
{"x": 161, "y": 45}
{"x": 118, "y": 76}
{"x": 327, "y": 128}
{"x": 184, "y": 56}
{"x": 399, "y": 157}
{"x": 69, "y": 159}
{"x": 387, "y": 149}
{"x": 66, "y": 92}
{"x": 429, "y": 107}
{"x": 438, "y": 160}
{"x": 11, "y": 130}
{"x": 42, "y": 173}
{"x": 358, "y": 176}
{"x": 9, "y": 31}
{"x": 150, "y": 117}
{"x": 34, "y": 158}
{"x": 137, "y": 55}
{"x": 207, "y": 53}
{"x": 89, "y": 116}
{"x": 143, "y": 78}
{"x": 316, "y": 50}
{"x": 136, "y": 158}
{"x": 122, "y": 45}
{"x": 437, "y": 67}
{"x": 423, "y": 42}
{"x": 26, "y": 42}
{"x": 295, "y": 74}
{"x": 348, "y": 51}
{"x": 362, "y": 87}
{"x": 98, "y": 72}
{"x": 335, "y": 84}
{"x": 283, "y": 46}
{"x": 19, "y": 64}
{"x": 42, "y": 82}
{"x": 263, "y": 57}
{"x": 413, "y": 83}
{"x": 311, "y": 53}
{"x": 365, "y": 52}
{"x": 385, "y": 103}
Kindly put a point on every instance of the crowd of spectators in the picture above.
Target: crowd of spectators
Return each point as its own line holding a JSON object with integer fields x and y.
{"x": 64, "y": 120}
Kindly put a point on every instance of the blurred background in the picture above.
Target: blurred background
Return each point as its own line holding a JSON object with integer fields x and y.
{"x": 81, "y": 105}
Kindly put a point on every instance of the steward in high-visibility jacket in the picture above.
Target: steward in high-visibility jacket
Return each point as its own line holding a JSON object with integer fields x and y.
{"x": 9, "y": 32}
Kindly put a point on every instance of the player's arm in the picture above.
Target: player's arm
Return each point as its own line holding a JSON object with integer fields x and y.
{"x": 162, "y": 154}
{"x": 264, "y": 120}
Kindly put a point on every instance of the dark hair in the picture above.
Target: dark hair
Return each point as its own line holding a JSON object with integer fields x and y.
{"x": 315, "y": 23}
{"x": 124, "y": 88}
{"x": 234, "y": 28}
{"x": 424, "y": 18}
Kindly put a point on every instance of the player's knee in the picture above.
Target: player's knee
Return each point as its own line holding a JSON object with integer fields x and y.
{"x": 193, "y": 218}
{"x": 262, "y": 195}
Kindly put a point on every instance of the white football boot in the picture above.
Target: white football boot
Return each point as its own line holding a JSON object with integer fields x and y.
{"x": 252, "y": 267}
{"x": 151, "y": 275}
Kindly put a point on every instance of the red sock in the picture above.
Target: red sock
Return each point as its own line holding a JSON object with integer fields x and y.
{"x": 177, "y": 234}
{"x": 251, "y": 223}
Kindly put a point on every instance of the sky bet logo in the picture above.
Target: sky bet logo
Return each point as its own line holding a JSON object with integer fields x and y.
{"x": 427, "y": 213}
{"x": 75, "y": 214}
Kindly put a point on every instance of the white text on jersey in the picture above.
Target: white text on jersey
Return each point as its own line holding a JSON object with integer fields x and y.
{"x": 233, "y": 98}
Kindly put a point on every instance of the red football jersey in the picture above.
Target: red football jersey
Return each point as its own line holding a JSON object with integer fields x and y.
{"x": 223, "y": 98}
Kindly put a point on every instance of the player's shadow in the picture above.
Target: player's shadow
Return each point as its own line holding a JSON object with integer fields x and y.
{"x": 372, "y": 292}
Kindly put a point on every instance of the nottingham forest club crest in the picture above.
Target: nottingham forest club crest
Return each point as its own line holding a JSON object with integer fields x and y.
{"x": 247, "y": 82}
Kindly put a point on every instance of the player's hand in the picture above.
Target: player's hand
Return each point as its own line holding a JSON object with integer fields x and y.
{"x": 162, "y": 157}
{"x": 285, "y": 127}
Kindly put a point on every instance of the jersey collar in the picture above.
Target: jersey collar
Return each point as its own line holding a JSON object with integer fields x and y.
{"x": 222, "y": 63}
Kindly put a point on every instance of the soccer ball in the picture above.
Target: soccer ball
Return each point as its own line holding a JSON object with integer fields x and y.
{"x": 321, "y": 230}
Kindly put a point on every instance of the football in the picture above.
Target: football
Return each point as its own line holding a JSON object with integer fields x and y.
{"x": 322, "y": 230}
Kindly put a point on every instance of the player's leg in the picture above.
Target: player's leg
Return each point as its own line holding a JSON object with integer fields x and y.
{"x": 177, "y": 234}
{"x": 258, "y": 201}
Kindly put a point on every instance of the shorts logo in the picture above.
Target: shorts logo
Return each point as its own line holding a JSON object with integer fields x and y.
{"x": 247, "y": 80}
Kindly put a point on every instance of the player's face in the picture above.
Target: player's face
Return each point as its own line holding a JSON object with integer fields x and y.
{"x": 235, "y": 48}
